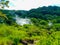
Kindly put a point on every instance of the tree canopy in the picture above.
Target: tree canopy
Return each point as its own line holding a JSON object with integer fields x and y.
{"x": 44, "y": 30}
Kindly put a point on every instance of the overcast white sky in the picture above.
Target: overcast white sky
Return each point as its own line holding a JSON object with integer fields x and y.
{"x": 29, "y": 4}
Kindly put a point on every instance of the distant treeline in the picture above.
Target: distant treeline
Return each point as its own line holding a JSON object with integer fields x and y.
{"x": 43, "y": 13}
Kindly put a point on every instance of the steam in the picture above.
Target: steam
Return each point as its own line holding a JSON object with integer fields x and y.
{"x": 22, "y": 21}
{"x": 50, "y": 23}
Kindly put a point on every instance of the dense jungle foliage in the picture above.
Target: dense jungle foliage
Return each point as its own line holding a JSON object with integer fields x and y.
{"x": 44, "y": 30}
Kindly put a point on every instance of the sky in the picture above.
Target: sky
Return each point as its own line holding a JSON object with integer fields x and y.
{"x": 29, "y": 4}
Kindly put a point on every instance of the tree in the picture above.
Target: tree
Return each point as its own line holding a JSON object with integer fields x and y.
{"x": 3, "y": 17}
{"x": 3, "y": 3}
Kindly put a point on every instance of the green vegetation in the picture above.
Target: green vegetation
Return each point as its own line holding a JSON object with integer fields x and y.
{"x": 4, "y": 3}
{"x": 44, "y": 30}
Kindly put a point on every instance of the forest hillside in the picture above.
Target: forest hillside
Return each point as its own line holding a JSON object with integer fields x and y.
{"x": 39, "y": 26}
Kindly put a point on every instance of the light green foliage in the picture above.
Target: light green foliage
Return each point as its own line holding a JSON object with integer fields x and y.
{"x": 13, "y": 34}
